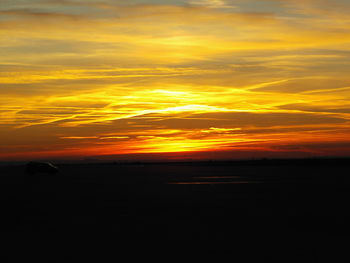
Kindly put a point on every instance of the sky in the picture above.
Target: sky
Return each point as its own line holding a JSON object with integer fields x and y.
{"x": 216, "y": 79}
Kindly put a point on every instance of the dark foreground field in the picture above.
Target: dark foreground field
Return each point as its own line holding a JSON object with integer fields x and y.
{"x": 263, "y": 211}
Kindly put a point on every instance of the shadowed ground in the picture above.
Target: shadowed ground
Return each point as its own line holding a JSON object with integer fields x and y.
{"x": 270, "y": 212}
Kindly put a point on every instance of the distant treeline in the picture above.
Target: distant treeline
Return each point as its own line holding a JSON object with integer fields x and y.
{"x": 246, "y": 162}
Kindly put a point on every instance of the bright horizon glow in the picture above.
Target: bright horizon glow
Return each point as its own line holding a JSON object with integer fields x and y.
{"x": 209, "y": 78}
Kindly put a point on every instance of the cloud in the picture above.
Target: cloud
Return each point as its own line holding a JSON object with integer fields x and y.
{"x": 306, "y": 84}
{"x": 180, "y": 76}
{"x": 212, "y": 3}
{"x": 34, "y": 13}
{"x": 244, "y": 119}
{"x": 317, "y": 108}
{"x": 319, "y": 7}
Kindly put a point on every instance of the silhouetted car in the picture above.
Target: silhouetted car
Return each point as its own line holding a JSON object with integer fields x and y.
{"x": 41, "y": 168}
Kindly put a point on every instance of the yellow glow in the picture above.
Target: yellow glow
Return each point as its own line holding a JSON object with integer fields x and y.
{"x": 202, "y": 76}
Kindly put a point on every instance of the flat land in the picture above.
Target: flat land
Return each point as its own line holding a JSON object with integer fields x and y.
{"x": 266, "y": 211}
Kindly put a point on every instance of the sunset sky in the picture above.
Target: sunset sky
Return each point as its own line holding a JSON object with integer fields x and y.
{"x": 201, "y": 78}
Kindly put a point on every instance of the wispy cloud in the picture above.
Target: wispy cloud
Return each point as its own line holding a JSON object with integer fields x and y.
{"x": 212, "y": 3}
{"x": 101, "y": 77}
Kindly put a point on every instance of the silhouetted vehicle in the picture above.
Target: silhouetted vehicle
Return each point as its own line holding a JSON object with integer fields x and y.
{"x": 33, "y": 168}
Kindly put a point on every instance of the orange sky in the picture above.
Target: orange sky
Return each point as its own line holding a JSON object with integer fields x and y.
{"x": 200, "y": 78}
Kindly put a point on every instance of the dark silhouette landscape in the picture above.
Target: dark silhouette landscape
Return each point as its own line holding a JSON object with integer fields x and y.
{"x": 264, "y": 210}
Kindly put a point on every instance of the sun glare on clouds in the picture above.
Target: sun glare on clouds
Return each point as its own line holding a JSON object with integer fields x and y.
{"x": 101, "y": 78}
